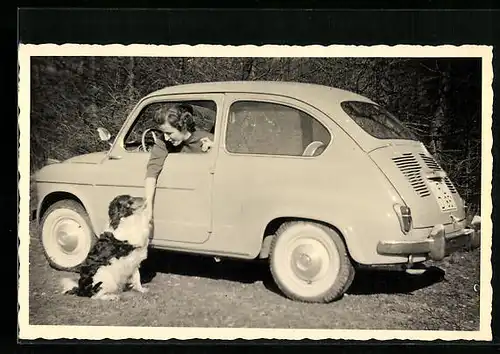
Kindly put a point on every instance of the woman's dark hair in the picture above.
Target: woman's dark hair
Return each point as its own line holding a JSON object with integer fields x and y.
{"x": 183, "y": 116}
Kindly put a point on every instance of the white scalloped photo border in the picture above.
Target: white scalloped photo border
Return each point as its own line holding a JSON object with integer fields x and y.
{"x": 27, "y": 331}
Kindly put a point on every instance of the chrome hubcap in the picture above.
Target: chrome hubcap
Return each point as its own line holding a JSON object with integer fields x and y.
{"x": 67, "y": 233}
{"x": 307, "y": 262}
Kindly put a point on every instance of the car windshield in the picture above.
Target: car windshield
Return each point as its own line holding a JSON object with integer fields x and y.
{"x": 377, "y": 121}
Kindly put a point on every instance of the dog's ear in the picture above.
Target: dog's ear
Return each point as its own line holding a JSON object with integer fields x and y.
{"x": 119, "y": 208}
{"x": 113, "y": 213}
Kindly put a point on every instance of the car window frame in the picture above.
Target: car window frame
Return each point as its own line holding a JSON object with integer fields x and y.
{"x": 286, "y": 101}
{"x": 384, "y": 111}
{"x": 119, "y": 142}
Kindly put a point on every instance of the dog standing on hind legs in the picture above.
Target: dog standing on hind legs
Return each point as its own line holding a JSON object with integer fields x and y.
{"x": 113, "y": 262}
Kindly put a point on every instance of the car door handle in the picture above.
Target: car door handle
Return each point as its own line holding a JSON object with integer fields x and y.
{"x": 114, "y": 157}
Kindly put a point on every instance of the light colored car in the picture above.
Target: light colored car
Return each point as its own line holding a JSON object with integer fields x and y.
{"x": 317, "y": 180}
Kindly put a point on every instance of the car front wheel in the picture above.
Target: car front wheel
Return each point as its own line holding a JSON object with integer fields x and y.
{"x": 66, "y": 235}
{"x": 309, "y": 262}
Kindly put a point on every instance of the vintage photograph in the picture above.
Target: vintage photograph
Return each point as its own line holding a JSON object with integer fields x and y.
{"x": 260, "y": 191}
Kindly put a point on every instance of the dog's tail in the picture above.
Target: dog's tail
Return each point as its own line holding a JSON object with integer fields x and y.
{"x": 69, "y": 286}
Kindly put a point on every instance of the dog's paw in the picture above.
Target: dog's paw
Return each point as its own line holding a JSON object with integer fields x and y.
{"x": 142, "y": 289}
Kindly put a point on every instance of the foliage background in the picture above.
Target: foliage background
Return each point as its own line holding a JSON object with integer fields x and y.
{"x": 438, "y": 98}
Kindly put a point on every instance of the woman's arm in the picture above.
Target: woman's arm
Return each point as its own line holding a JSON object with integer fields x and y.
{"x": 149, "y": 194}
{"x": 157, "y": 158}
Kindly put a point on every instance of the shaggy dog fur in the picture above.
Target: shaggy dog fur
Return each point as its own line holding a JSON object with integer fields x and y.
{"x": 113, "y": 262}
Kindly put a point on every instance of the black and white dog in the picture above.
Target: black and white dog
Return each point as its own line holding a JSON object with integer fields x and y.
{"x": 114, "y": 260}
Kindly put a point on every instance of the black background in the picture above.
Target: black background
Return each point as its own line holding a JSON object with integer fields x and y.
{"x": 302, "y": 23}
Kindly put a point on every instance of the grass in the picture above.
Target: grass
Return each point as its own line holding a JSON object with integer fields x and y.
{"x": 193, "y": 291}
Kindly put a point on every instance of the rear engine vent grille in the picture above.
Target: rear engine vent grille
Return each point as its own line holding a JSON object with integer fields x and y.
{"x": 430, "y": 162}
{"x": 409, "y": 166}
{"x": 450, "y": 185}
{"x": 433, "y": 165}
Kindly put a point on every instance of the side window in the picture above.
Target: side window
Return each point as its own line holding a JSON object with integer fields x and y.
{"x": 273, "y": 129}
{"x": 205, "y": 113}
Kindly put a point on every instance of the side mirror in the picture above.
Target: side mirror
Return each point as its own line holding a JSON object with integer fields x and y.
{"x": 104, "y": 134}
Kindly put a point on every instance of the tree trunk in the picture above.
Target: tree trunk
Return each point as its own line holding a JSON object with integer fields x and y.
{"x": 130, "y": 77}
{"x": 92, "y": 68}
{"x": 247, "y": 69}
{"x": 35, "y": 72}
{"x": 288, "y": 68}
{"x": 440, "y": 115}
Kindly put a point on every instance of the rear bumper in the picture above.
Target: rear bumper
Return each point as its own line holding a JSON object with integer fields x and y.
{"x": 436, "y": 247}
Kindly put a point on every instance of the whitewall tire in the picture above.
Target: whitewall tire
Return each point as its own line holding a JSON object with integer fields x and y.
{"x": 66, "y": 235}
{"x": 309, "y": 262}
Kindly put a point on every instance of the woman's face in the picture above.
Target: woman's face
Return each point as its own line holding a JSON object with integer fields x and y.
{"x": 175, "y": 135}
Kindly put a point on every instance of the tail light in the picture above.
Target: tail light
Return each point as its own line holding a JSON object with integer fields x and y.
{"x": 404, "y": 215}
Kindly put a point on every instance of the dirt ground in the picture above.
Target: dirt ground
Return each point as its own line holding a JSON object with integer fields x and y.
{"x": 195, "y": 291}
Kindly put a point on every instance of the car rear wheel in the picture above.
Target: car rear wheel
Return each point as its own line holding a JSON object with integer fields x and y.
{"x": 309, "y": 262}
{"x": 66, "y": 235}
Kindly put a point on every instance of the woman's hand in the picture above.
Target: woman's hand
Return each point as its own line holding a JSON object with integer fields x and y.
{"x": 206, "y": 144}
{"x": 148, "y": 210}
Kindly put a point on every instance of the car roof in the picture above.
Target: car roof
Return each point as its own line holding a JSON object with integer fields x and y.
{"x": 312, "y": 93}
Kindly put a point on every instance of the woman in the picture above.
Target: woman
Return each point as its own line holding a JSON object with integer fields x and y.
{"x": 180, "y": 135}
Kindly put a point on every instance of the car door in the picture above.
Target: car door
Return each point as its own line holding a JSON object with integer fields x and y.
{"x": 182, "y": 210}
{"x": 268, "y": 147}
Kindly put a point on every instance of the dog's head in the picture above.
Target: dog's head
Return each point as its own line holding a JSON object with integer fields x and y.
{"x": 123, "y": 206}
{"x": 128, "y": 221}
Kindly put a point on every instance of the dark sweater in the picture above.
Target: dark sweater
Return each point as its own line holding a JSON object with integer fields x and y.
{"x": 161, "y": 149}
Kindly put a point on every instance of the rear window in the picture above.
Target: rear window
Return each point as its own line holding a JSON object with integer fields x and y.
{"x": 377, "y": 121}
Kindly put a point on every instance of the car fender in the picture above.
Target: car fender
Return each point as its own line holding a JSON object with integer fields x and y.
{"x": 359, "y": 237}
{"x": 80, "y": 193}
